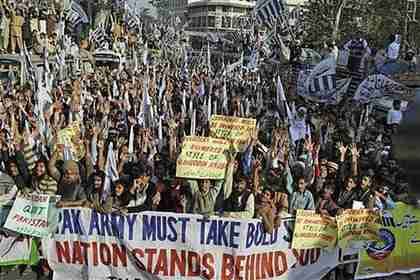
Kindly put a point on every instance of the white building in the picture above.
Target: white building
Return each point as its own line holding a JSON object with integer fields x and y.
{"x": 218, "y": 15}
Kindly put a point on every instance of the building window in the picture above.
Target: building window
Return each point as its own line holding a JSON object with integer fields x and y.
{"x": 203, "y": 21}
{"x": 237, "y": 10}
{"x": 212, "y": 22}
{"x": 212, "y": 8}
{"x": 227, "y": 9}
{"x": 226, "y": 22}
{"x": 236, "y": 22}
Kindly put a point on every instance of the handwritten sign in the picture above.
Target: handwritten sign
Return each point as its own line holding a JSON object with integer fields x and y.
{"x": 232, "y": 128}
{"x": 202, "y": 158}
{"x": 34, "y": 216}
{"x": 357, "y": 226}
{"x": 314, "y": 231}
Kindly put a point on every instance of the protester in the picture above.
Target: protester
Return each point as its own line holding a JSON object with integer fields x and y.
{"x": 109, "y": 139}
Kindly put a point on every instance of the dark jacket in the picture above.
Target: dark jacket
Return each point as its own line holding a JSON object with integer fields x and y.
{"x": 148, "y": 203}
{"x": 233, "y": 204}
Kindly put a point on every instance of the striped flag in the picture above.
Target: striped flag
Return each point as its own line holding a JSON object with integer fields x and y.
{"x": 132, "y": 21}
{"x": 268, "y": 11}
{"x": 236, "y": 36}
{"x": 99, "y": 37}
{"x": 321, "y": 84}
{"x": 76, "y": 15}
{"x": 30, "y": 70}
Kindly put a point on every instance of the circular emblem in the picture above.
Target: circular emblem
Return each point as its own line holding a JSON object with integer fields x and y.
{"x": 379, "y": 250}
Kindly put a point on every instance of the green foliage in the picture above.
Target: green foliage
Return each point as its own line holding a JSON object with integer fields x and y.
{"x": 375, "y": 19}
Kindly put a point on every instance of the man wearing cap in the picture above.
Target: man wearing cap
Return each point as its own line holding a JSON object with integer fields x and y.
{"x": 69, "y": 182}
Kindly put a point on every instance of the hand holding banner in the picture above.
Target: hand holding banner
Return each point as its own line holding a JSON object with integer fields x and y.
{"x": 202, "y": 158}
{"x": 314, "y": 231}
{"x": 357, "y": 225}
{"x": 232, "y": 128}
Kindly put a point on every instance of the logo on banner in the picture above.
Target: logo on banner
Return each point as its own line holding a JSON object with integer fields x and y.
{"x": 379, "y": 250}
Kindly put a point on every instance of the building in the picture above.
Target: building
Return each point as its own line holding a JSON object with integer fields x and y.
{"x": 218, "y": 15}
{"x": 295, "y": 3}
{"x": 178, "y": 8}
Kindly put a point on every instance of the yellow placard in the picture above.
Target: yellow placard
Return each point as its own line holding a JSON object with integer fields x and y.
{"x": 202, "y": 158}
{"x": 355, "y": 226}
{"x": 314, "y": 231}
{"x": 398, "y": 249}
{"x": 232, "y": 128}
{"x": 68, "y": 137}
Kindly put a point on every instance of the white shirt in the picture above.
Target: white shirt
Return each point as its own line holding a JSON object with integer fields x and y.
{"x": 394, "y": 117}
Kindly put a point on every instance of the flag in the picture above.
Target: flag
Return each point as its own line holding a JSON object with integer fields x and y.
{"x": 162, "y": 87}
{"x": 132, "y": 21}
{"x": 209, "y": 103}
{"x": 29, "y": 68}
{"x": 233, "y": 66}
{"x": 147, "y": 108}
{"x": 94, "y": 150}
{"x": 280, "y": 96}
{"x": 193, "y": 122}
{"x": 201, "y": 89}
{"x": 111, "y": 170}
{"x": 184, "y": 104}
{"x": 99, "y": 37}
{"x": 321, "y": 85}
{"x": 76, "y": 15}
{"x": 131, "y": 141}
{"x": 208, "y": 58}
{"x": 236, "y": 37}
{"x": 268, "y": 11}
{"x": 145, "y": 54}
{"x": 46, "y": 64}
{"x": 253, "y": 62}
{"x": 376, "y": 87}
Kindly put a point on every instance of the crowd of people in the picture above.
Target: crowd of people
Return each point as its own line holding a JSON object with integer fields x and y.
{"x": 129, "y": 123}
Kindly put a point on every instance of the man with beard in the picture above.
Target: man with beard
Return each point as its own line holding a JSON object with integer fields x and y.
{"x": 240, "y": 204}
{"x": 69, "y": 183}
{"x": 97, "y": 196}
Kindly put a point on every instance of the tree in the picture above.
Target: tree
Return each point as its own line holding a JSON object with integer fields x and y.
{"x": 375, "y": 19}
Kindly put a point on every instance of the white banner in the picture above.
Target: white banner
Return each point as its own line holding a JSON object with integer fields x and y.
{"x": 89, "y": 245}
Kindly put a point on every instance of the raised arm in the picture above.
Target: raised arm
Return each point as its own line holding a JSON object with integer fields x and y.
{"x": 52, "y": 169}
